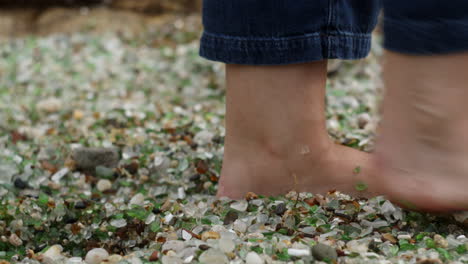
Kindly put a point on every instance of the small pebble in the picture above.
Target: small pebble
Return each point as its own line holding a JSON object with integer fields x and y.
{"x": 240, "y": 206}
{"x": 154, "y": 256}
{"x": 358, "y": 246}
{"x": 204, "y": 247}
{"x": 114, "y": 259}
{"x": 227, "y": 245}
{"x": 53, "y": 254}
{"x": 230, "y": 217}
{"x": 15, "y": 240}
{"x": 440, "y": 241}
{"x": 171, "y": 260}
{"x": 96, "y": 256}
{"x": 138, "y": 199}
{"x": 104, "y": 185}
{"x": 119, "y": 223}
{"x": 104, "y": 172}
{"x": 80, "y": 205}
{"x": 324, "y": 252}
{"x": 75, "y": 260}
{"x": 203, "y": 137}
{"x": 239, "y": 226}
{"x": 210, "y": 235}
{"x": 20, "y": 184}
{"x": 207, "y": 185}
{"x": 404, "y": 236}
{"x": 213, "y": 256}
{"x": 298, "y": 252}
{"x": 181, "y": 193}
{"x": 175, "y": 245}
{"x": 90, "y": 158}
{"x": 49, "y": 105}
{"x": 280, "y": 209}
{"x": 389, "y": 237}
{"x": 363, "y": 120}
{"x": 253, "y": 258}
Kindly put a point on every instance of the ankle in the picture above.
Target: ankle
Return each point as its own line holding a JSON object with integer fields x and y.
{"x": 279, "y": 149}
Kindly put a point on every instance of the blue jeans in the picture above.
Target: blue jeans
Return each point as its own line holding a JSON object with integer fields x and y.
{"x": 273, "y": 32}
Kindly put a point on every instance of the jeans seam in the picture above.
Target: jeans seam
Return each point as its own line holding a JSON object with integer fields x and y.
{"x": 328, "y": 29}
{"x": 274, "y": 51}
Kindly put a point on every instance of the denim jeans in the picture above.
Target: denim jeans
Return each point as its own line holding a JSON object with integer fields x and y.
{"x": 273, "y": 32}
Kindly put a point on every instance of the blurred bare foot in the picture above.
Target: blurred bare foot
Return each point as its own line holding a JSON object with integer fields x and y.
{"x": 423, "y": 150}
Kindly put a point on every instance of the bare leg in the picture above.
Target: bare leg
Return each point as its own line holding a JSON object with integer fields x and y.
{"x": 423, "y": 150}
{"x": 276, "y": 137}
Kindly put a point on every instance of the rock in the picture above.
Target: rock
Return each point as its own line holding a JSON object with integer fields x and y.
{"x": 363, "y": 120}
{"x": 154, "y": 256}
{"x": 119, "y": 223}
{"x": 104, "y": 172}
{"x": 227, "y": 245}
{"x": 20, "y": 184}
{"x": 210, "y": 235}
{"x": 334, "y": 66}
{"x": 181, "y": 193}
{"x": 49, "y": 105}
{"x": 53, "y": 254}
{"x": 240, "y": 206}
{"x": 138, "y": 199}
{"x": 8, "y": 169}
{"x": 15, "y": 240}
{"x": 213, "y": 256}
{"x": 104, "y": 185}
{"x": 175, "y": 245}
{"x": 134, "y": 260}
{"x": 323, "y": 252}
{"x": 429, "y": 261}
{"x": 230, "y": 217}
{"x": 280, "y": 209}
{"x": 90, "y": 158}
{"x": 203, "y": 137}
{"x": 80, "y": 205}
{"x": 253, "y": 258}
{"x": 358, "y": 246}
{"x": 114, "y": 259}
{"x": 60, "y": 174}
{"x": 389, "y": 237}
{"x": 462, "y": 217}
{"x": 171, "y": 260}
{"x": 75, "y": 260}
{"x": 404, "y": 236}
{"x": 239, "y": 226}
{"x": 96, "y": 256}
{"x": 251, "y": 196}
{"x": 440, "y": 241}
{"x": 298, "y": 252}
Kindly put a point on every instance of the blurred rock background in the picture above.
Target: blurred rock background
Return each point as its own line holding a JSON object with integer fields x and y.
{"x": 42, "y": 17}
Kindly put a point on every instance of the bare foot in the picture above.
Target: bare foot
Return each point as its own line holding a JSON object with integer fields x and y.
{"x": 276, "y": 138}
{"x": 423, "y": 150}
{"x": 335, "y": 167}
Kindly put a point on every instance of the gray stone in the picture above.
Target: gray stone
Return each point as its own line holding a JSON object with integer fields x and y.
{"x": 323, "y": 252}
{"x": 175, "y": 245}
{"x": 253, "y": 258}
{"x": 213, "y": 256}
{"x": 96, "y": 256}
{"x": 90, "y": 158}
{"x": 103, "y": 172}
